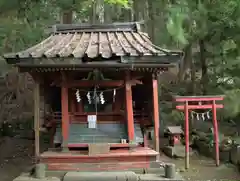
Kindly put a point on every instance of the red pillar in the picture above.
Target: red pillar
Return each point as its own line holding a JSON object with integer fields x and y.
{"x": 36, "y": 119}
{"x": 73, "y": 102}
{"x": 215, "y": 125}
{"x": 79, "y": 106}
{"x": 129, "y": 110}
{"x": 186, "y": 135}
{"x": 156, "y": 114}
{"x": 65, "y": 117}
{"x": 145, "y": 140}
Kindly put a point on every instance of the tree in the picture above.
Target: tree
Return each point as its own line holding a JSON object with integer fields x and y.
{"x": 212, "y": 27}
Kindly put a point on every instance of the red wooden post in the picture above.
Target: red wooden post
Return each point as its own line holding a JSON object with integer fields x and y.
{"x": 145, "y": 141}
{"x": 80, "y": 108}
{"x": 79, "y": 105}
{"x": 156, "y": 115}
{"x": 215, "y": 125}
{"x": 36, "y": 119}
{"x": 65, "y": 117}
{"x": 186, "y": 135}
{"x": 72, "y": 102}
{"x": 129, "y": 110}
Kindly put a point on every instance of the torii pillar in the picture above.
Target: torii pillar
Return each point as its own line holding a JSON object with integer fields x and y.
{"x": 203, "y": 102}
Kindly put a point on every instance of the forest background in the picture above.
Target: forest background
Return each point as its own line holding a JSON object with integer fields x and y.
{"x": 208, "y": 31}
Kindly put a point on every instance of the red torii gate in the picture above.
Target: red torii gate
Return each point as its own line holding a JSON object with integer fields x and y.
{"x": 203, "y": 102}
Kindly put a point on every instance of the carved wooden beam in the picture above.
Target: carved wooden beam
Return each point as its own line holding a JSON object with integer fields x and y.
{"x": 90, "y": 83}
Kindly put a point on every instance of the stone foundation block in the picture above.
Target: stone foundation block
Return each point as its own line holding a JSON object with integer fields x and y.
{"x": 100, "y": 176}
{"x": 158, "y": 177}
{"x": 235, "y": 155}
{"x": 27, "y": 177}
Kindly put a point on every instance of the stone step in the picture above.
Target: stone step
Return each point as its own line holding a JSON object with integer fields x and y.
{"x": 101, "y": 176}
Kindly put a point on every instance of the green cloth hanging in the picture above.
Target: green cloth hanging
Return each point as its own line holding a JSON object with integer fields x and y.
{"x": 89, "y": 108}
{"x": 212, "y": 139}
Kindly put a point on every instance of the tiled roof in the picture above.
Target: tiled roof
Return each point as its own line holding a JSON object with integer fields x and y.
{"x": 93, "y": 41}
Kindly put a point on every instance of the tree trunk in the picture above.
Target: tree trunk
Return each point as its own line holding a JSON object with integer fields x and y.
{"x": 186, "y": 63}
{"x": 97, "y": 11}
{"x": 145, "y": 15}
{"x": 66, "y": 16}
{"x": 100, "y": 11}
{"x": 127, "y": 14}
{"x": 193, "y": 76}
{"x": 108, "y": 13}
{"x": 138, "y": 9}
{"x": 93, "y": 13}
{"x": 204, "y": 77}
{"x": 151, "y": 21}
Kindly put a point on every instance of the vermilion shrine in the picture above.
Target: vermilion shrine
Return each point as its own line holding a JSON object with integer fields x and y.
{"x": 200, "y": 103}
{"x": 100, "y": 93}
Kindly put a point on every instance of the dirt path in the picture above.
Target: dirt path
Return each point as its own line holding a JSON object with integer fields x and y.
{"x": 204, "y": 169}
{"x": 15, "y": 157}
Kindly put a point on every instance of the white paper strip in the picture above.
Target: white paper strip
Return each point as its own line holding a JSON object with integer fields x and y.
{"x": 92, "y": 121}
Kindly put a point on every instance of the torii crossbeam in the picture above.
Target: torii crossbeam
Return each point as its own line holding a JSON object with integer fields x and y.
{"x": 200, "y": 102}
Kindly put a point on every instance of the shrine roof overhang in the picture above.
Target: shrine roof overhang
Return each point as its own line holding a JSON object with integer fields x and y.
{"x": 113, "y": 66}
{"x": 74, "y": 44}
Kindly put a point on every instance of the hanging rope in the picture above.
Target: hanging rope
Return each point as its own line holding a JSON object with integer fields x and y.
{"x": 202, "y": 115}
{"x": 106, "y": 90}
{"x": 95, "y": 94}
{"x": 78, "y": 97}
{"x": 95, "y": 97}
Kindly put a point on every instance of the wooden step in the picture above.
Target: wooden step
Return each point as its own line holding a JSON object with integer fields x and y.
{"x": 115, "y": 166}
{"x": 98, "y": 159}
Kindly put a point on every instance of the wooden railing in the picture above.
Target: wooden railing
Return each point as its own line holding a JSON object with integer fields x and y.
{"x": 76, "y": 117}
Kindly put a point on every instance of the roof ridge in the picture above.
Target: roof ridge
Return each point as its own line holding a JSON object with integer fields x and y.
{"x": 114, "y": 27}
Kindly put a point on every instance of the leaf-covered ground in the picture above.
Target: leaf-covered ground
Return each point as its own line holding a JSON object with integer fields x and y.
{"x": 204, "y": 169}
{"x": 15, "y": 157}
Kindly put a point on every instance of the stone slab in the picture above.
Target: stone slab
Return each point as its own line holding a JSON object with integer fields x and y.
{"x": 159, "y": 177}
{"x": 157, "y": 164}
{"x": 235, "y": 155}
{"x": 27, "y": 177}
{"x": 176, "y": 151}
{"x": 100, "y": 176}
{"x": 159, "y": 170}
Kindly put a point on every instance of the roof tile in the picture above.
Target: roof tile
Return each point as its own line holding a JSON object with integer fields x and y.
{"x": 93, "y": 43}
